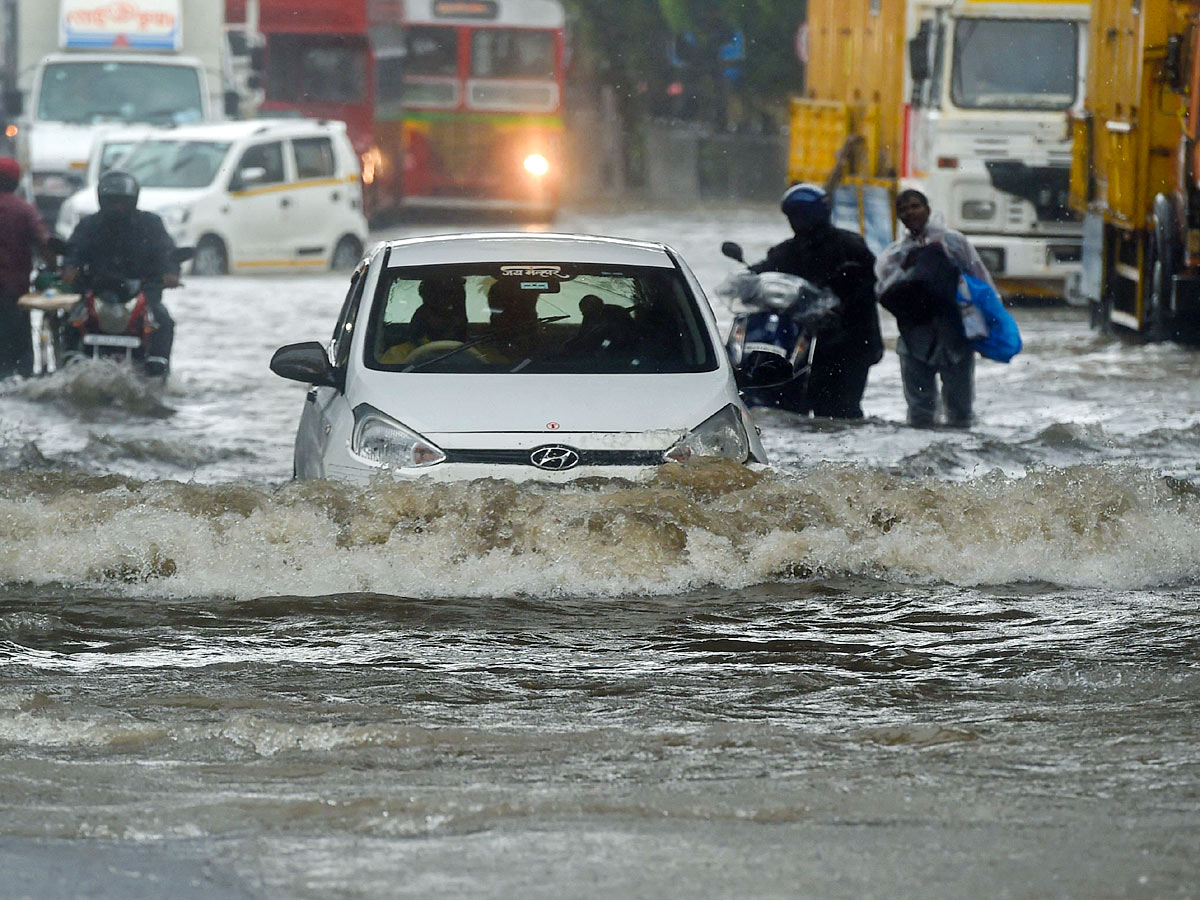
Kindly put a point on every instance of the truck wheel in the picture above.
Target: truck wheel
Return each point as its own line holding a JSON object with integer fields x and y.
{"x": 210, "y": 258}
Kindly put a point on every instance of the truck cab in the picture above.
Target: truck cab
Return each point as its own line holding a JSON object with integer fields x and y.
{"x": 989, "y": 136}
{"x": 81, "y": 68}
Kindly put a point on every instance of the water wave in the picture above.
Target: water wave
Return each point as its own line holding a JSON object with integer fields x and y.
{"x": 95, "y": 388}
{"x": 722, "y": 525}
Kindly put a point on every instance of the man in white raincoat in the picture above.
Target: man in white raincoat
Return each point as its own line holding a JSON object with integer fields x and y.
{"x": 931, "y": 345}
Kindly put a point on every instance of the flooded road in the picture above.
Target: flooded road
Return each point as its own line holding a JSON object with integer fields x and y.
{"x": 902, "y": 663}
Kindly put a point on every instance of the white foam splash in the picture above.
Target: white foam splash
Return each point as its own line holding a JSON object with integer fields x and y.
{"x": 1087, "y": 526}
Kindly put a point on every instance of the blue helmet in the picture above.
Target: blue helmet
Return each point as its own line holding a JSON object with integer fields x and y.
{"x": 806, "y": 206}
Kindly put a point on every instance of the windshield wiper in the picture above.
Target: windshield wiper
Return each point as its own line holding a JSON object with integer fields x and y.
{"x": 515, "y": 329}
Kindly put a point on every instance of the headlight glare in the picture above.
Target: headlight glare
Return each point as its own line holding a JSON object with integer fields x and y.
{"x": 379, "y": 440}
{"x": 537, "y": 165}
{"x": 720, "y": 435}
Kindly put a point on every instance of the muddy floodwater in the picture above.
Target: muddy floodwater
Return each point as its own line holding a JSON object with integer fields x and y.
{"x": 900, "y": 663}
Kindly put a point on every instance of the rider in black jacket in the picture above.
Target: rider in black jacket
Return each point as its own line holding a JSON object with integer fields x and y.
{"x": 123, "y": 240}
{"x": 820, "y": 253}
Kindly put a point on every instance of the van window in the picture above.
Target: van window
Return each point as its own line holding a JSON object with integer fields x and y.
{"x": 314, "y": 158}
{"x": 265, "y": 156}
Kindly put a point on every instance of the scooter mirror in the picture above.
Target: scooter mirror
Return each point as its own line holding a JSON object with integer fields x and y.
{"x": 183, "y": 254}
{"x": 733, "y": 251}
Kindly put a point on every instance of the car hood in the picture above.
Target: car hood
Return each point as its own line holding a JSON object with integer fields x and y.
{"x": 544, "y": 404}
{"x": 156, "y": 200}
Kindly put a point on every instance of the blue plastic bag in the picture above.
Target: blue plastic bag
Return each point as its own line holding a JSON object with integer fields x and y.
{"x": 1003, "y": 339}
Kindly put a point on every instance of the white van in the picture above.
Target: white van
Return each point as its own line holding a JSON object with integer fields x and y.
{"x": 259, "y": 195}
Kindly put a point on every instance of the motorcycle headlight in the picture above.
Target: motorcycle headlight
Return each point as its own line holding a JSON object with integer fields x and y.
{"x": 721, "y": 435}
{"x": 380, "y": 440}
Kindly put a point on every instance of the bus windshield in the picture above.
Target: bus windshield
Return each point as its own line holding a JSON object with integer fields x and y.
{"x": 512, "y": 53}
{"x": 1014, "y": 64}
{"x": 91, "y": 92}
{"x": 175, "y": 164}
{"x": 319, "y": 69}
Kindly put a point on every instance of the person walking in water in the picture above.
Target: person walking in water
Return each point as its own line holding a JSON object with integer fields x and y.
{"x": 22, "y": 233}
{"x": 916, "y": 280}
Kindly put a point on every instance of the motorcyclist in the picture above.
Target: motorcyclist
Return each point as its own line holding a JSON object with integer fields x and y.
{"x": 131, "y": 243}
{"x": 838, "y": 259}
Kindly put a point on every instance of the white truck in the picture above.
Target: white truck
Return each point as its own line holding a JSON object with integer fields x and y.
{"x": 966, "y": 100}
{"x": 76, "y": 67}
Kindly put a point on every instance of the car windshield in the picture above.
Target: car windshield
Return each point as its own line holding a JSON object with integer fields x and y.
{"x": 522, "y": 318}
{"x": 175, "y": 164}
{"x": 1014, "y": 64}
{"x": 90, "y": 92}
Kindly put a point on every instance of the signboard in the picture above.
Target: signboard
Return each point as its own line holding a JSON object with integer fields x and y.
{"x": 120, "y": 25}
{"x": 465, "y": 9}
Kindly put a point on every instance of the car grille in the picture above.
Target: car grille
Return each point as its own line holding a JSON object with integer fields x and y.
{"x": 586, "y": 457}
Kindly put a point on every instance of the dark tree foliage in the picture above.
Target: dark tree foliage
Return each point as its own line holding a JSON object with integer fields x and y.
{"x": 662, "y": 57}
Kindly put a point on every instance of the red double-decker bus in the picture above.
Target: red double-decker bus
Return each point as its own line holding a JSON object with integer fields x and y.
{"x": 449, "y": 102}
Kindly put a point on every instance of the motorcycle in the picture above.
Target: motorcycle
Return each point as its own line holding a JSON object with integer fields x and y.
{"x": 778, "y": 319}
{"x": 110, "y": 319}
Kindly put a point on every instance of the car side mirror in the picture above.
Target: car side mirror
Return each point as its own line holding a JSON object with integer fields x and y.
{"x": 233, "y": 105}
{"x": 918, "y": 54}
{"x": 733, "y": 251}
{"x": 248, "y": 176}
{"x": 307, "y": 362}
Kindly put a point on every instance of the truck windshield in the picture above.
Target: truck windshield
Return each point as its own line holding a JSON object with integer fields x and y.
{"x": 92, "y": 92}
{"x": 1014, "y": 64}
{"x": 175, "y": 164}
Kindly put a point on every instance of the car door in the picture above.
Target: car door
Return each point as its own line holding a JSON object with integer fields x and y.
{"x": 320, "y": 404}
{"x": 320, "y": 199}
{"x": 260, "y": 216}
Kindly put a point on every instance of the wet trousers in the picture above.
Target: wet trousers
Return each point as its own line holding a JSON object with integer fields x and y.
{"x": 16, "y": 339}
{"x": 921, "y": 394}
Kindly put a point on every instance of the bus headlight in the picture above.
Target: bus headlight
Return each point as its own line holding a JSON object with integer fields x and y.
{"x": 537, "y": 165}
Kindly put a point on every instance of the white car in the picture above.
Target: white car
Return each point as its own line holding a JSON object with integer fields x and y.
{"x": 250, "y": 196}
{"x": 519, "y": 356}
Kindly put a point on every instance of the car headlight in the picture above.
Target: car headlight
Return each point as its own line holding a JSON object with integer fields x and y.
{"x": 721, "y": 435}
{"x": 175, "y": 216}
{"x": 380, "y": 440}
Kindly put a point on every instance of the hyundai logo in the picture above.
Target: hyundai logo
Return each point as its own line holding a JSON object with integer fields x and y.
{"x": 555, "y": 457}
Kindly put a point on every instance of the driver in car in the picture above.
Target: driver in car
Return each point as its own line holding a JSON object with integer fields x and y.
{"x": 442, "y": 316}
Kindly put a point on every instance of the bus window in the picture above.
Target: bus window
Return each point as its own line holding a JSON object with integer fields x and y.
{"x": 512, "y": 53}
{"x": 432, "y": 52}
{"x": 304, "y": 68}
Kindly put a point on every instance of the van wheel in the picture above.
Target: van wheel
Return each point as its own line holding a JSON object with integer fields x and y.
{"x": 210, "y": 258}
{"x": 346, "y": 254}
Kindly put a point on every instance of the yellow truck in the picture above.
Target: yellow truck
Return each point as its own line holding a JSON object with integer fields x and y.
{"x": 967, "y": 101}
{"x": 1135, "y": 169}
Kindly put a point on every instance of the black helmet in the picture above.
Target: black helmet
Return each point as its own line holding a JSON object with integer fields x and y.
{"x": 117, "y": 192}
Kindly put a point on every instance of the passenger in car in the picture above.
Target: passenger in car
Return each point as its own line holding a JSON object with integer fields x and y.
{"x": 442, "y": 316}
{"x": 606, "y": 329}
{"x": 513, "y": 321}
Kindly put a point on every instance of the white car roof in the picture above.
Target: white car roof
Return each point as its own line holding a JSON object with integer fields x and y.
{"x": 525, "y": 247}
{"x": 236, "y": 130}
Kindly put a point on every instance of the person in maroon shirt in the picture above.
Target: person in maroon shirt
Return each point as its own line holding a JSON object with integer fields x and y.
{"x": 21, "y": 233}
